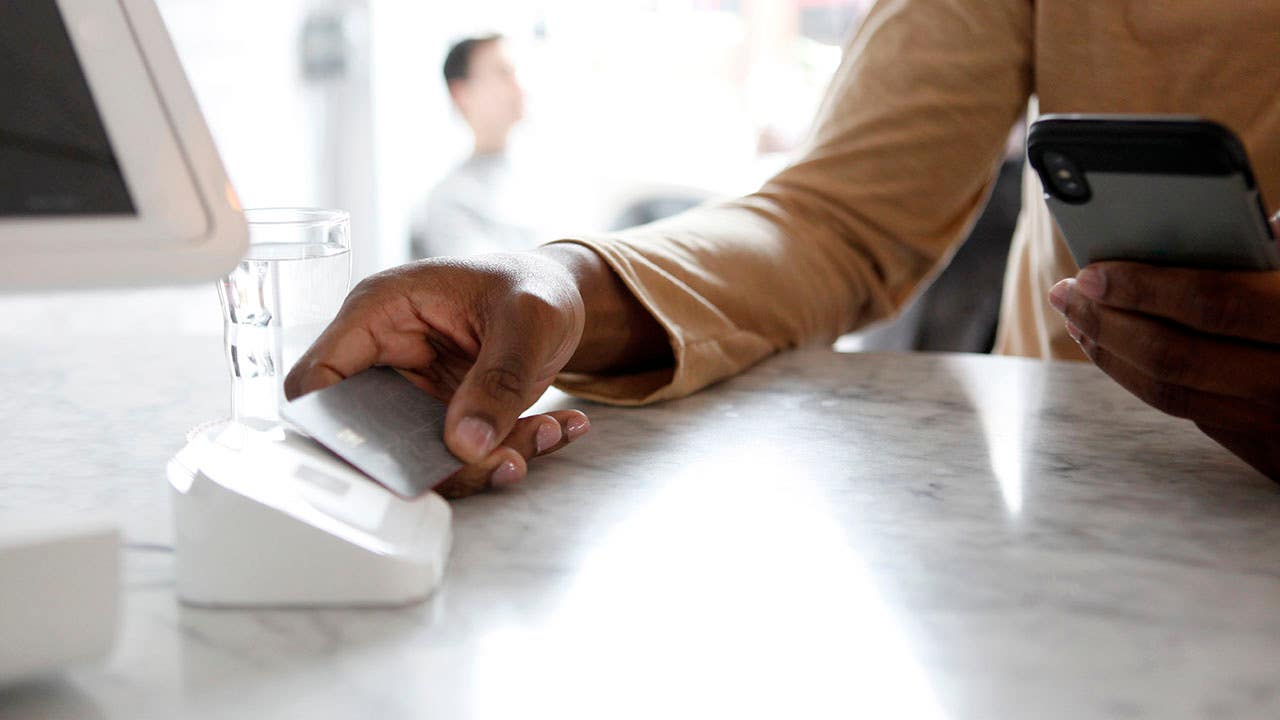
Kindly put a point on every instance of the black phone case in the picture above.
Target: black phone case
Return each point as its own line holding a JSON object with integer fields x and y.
{"x": 1165, "y": 191}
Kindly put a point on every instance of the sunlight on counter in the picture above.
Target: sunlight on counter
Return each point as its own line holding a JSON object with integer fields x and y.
{"x": 737, "y": 557}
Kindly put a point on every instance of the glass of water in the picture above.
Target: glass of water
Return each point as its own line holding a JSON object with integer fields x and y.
{"x": 277, "y": 301}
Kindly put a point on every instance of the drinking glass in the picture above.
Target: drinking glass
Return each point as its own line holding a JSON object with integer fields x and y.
{"x": 276, "y": 302}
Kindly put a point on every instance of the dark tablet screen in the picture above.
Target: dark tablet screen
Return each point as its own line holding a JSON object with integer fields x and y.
{"x": 55, "y": 157}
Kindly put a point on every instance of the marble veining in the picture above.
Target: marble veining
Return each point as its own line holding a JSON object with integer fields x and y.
{"x": 828, "y": 535}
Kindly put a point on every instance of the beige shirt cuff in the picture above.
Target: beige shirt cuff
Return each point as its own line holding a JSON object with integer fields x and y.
{"x": 705, "y": 343}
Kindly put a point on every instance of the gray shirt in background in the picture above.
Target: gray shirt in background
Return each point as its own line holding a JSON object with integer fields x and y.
{"x": 478, "y": 207}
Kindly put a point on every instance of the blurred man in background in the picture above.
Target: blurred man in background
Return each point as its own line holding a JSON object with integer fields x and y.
{"x": 478, "y": 207}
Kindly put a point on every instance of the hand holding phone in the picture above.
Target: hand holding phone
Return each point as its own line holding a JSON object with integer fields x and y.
{"x": 1197, "y": 344}
{"x": 1151, "y": 307}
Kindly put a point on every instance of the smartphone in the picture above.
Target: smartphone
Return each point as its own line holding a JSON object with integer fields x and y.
{"x": 1172, "y": 191}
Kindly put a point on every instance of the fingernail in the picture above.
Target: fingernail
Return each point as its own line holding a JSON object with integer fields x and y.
{"x": 548, "y": 435}
{"x": 1074, "y": 331}
{"x": 505, "y": 475}
{"x": 476, "y": 435}
{"x": 1092, "y": 282}
{"x": 1058, "y": 296}
{"x": 577, "y": 427}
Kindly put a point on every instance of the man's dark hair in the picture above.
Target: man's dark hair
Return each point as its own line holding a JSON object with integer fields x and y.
{"x": 457, "y": 64}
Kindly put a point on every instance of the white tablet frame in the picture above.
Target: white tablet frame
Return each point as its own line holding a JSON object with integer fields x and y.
{"x": 189, "y": 225}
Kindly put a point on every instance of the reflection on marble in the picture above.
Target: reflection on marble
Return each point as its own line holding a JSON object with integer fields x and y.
{"x": 826, "y": 536}
{"x": 1008, "y": 410}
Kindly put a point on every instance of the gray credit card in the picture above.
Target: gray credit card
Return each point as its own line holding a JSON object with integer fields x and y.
{"x": 384, "y": 425}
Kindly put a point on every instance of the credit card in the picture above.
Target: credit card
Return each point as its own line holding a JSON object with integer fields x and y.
{"x": 384, "y": 425}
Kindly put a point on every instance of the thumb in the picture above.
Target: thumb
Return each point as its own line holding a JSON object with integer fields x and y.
{"x": 517, "y": 361}
{"x": 1275, "y": 226}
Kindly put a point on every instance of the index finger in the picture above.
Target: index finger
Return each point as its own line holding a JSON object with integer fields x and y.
{"x": 341, "y": 351}
{"x": 358, "y": 339}
{"x": 1238, "y": 304}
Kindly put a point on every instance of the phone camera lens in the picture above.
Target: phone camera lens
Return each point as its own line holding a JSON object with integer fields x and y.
{"x": 1064, "y": 177}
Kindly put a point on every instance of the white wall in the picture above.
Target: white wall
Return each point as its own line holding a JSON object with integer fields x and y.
{"x": 417, "y": 135}
{"x": 241, "y": 58}
{"x": 285, "y": 138}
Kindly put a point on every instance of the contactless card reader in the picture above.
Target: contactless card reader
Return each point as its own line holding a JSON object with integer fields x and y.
{"x": 270, "y": 518}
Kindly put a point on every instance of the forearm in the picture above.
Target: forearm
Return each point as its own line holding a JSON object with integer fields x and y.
{"x": 620, "y": 335}
{"x": 840, "y": 238}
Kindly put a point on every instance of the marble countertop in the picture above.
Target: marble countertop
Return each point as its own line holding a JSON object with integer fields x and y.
{"x": 829, "y": 535}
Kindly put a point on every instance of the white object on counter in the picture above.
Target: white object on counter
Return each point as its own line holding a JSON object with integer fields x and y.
{"x": 59, "y": 593}
{"x": 272, "y": 519}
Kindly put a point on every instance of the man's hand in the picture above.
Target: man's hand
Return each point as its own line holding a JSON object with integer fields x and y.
{"x": 487, "y": 335}
{"x": 1196, "y": 344}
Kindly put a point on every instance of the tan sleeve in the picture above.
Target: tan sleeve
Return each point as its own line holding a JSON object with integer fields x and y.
{"x": 903, "y": 154}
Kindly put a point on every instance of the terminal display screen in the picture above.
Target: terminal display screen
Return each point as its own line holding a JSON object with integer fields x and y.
{"x": 55, "y": 156}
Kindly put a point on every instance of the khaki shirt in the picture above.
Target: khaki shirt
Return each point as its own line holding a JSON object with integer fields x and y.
{"x": 903, "y": 155}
